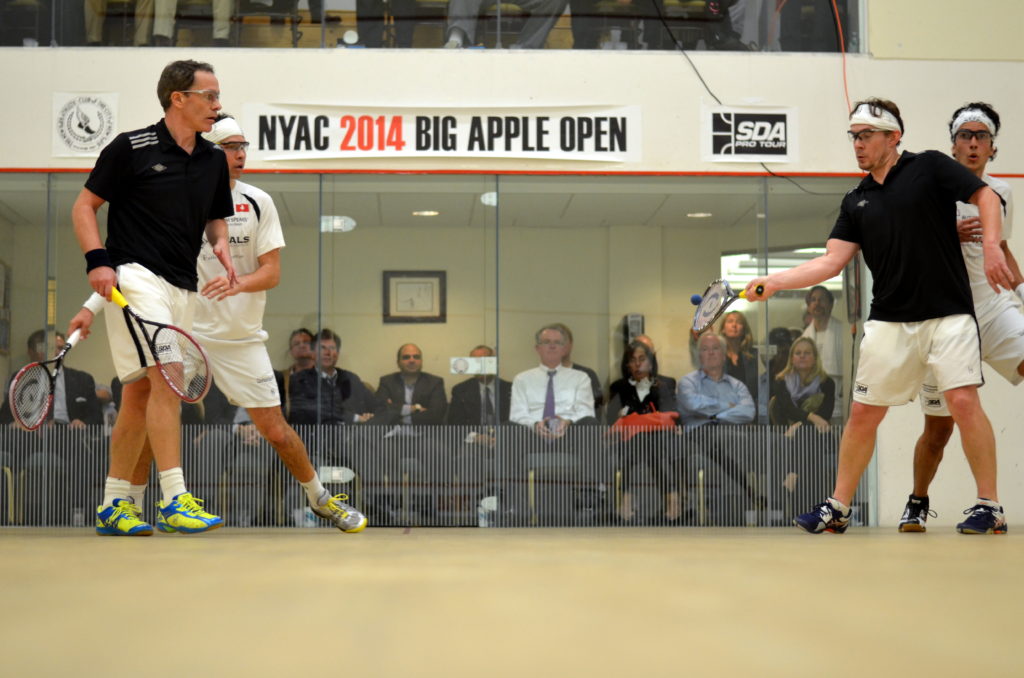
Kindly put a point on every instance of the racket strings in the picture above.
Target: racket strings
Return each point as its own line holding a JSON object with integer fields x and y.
{"x": 30, "y": 396}
{"x": 182, "y": 363}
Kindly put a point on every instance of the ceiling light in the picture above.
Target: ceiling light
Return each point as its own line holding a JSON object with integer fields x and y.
{"x": 336, "y": 224}
{"x": 699, "y": 215}
{"x": 425, "y": 213}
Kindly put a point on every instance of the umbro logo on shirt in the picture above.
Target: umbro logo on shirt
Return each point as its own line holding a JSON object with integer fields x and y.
{"x": 862, "y": 203}
{"x": 159, "y": 167}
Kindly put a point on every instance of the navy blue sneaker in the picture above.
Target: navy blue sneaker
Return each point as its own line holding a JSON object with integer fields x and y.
{"x": 915, "y": 515}
{"x": 983, "y": 519}
{"x": 823, "y": 518}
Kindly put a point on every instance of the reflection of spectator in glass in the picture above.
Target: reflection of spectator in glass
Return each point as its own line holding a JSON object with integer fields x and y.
{"x": 739, "y": 350}
{"x": 640, "y": 390}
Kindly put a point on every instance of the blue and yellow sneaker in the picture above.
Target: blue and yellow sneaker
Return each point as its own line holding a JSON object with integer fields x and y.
{"x": 340, "y": 514}
{"x": 186, "y": 514}
{"x": 121, "y": 519}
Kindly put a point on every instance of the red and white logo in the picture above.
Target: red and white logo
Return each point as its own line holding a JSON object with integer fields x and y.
{"x": 242, "y": 207}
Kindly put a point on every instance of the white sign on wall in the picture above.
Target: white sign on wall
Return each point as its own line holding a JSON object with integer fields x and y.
{"x": 307, "y": 131}
{"x": 83, "y": 123}
{"x": 730, "y": 134}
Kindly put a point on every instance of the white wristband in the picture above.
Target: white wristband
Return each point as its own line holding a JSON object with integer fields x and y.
{"x": 1020, "y": 291}
{"x": 94, "y": 303}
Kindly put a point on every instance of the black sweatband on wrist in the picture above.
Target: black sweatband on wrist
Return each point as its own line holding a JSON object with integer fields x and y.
{"x": 97, "y": 258}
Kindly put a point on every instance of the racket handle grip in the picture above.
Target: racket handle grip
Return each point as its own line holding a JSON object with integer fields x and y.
{"x": 117, "y": 297}
{"x": 74, "y": 337}
{"x": 759, "y": 289}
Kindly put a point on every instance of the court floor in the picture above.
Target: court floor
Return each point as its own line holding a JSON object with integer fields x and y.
{"x": 511, "y": 602}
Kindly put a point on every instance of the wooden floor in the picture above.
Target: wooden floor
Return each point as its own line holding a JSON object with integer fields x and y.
{"x": 509, "y": 602}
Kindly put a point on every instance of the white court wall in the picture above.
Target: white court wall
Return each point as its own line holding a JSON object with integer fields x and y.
{"x": 669, "y": 95}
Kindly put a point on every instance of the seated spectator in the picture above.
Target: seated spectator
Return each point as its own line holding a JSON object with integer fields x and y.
{"x": 96, "y": 14}
{"x": 641, "y": 390}
{"x": 779, "y": 340}
{"x": 550, "y": 397}
{"x": 464, "y": 15}
{"x": 670, "y": 383}
{"x": 553, "y": 403}
{"x": 802, "y": 400}
{"x": 166, "y": 12}
{"x": 483, "y": 400}
{"x": 300, "y": 348}
{"x": 595, "y": 382}
{"x": 411, "y": 396}
{"x": 709, "y": 395}
{"x": 371, "y": 21}
{"x": 328, "y": 395}
{"x": 827, "y": 334}
{"x": 802, "y": 393}
{"x": 739, "y": 341}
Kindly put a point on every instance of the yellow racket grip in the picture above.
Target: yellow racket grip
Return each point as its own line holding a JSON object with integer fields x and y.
{"x": 759, "y": 289}
{"x": 117, "y": 297}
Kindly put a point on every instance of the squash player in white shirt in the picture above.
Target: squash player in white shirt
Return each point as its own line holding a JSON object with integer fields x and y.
{"x": 229, "y": 324}
{"x": 1000, "y": 315}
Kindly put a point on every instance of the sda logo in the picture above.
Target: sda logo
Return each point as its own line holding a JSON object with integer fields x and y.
{"x": 749, "y": 133}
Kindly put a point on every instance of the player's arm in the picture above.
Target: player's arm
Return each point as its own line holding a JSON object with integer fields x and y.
{"x": 990, "y": 209}
{"x": 1011, "y": 262}
{"x": 838, "y": 254}
{"x": 217, "y": 236}
{"x": 87, "y": 230}
{"x": 265, "y": 277}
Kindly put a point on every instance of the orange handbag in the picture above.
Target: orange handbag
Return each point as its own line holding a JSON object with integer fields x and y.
{"x": 629, "y": 425}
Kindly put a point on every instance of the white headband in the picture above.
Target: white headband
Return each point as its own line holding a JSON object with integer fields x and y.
{"x": 973, "y": 115}
{"x": 864, "y": 116}
{"x": 222, "y": 129}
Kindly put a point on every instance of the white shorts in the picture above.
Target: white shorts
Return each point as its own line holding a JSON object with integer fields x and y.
{"x": 153, "y": 298}
{"x": 896, "y": 357}
{"x": 242, "y": 371}
{"x": 1002, "y": 347}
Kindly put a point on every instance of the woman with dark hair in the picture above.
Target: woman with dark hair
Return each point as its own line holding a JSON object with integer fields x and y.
{"x": 641, "y": 391}
{"x": 740, "y": 360}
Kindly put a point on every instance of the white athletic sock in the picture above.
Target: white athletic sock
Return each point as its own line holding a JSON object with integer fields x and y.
{"x": 989, "y": 502}
{"x": 115, "y": 488}
{"x": 316, "y": 492}
{"x": 172, "y": 483}
{"x": 137, "y": 494}
{"x": 839, "y": 506}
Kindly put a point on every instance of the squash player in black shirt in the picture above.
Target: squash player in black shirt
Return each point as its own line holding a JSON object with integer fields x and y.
{"x": 166, "y": 186}
{"x": 902, "y": 216}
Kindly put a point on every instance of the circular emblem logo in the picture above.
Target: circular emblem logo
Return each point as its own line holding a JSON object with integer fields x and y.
{"x": 85, "y": 124}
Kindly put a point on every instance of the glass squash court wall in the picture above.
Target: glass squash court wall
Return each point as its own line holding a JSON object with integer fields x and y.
{"x": 450, "y": 262}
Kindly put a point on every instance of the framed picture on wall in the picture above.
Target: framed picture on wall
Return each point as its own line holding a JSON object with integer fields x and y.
{"x": 415, "y": 297}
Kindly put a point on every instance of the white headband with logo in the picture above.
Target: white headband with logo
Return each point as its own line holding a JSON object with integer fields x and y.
{"x": 885, "y": 121}
{"x": 222, "y": 129}
{"x": 973, "y": 115}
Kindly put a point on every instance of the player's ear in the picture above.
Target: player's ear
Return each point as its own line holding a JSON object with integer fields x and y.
{"x": 993, "y": 156}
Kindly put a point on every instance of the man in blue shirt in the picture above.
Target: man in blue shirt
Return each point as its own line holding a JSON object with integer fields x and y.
{"x": 709, "y": 395}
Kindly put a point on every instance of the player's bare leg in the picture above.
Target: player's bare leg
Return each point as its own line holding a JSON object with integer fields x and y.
{"x": 270, "y": 422}
{"x": 929, "y": 450}
{"x": 976, "y": 434}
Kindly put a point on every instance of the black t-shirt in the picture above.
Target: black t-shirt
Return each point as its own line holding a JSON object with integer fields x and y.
{"x": 906, "y": 229}
{"x": 160, "y": 200}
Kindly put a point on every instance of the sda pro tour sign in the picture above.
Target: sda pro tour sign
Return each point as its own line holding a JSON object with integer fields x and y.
{"x": 748, "y": 134}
